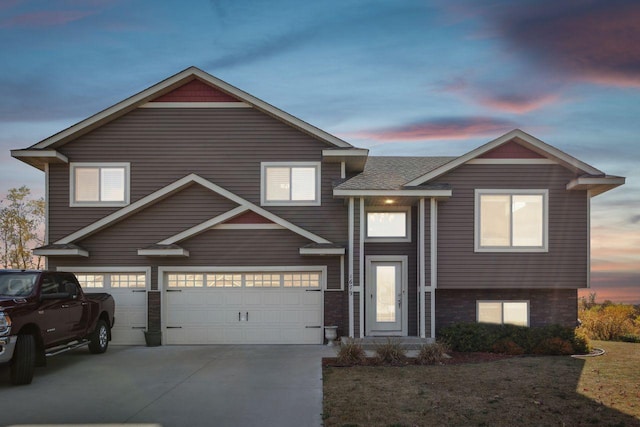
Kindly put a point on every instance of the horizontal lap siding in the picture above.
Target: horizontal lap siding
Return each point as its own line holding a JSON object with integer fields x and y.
{"x": 224, "y": 146}
{"x": 564, "y": 266}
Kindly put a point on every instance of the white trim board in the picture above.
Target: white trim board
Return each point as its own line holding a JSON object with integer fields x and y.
{"x": 175, "y": 187}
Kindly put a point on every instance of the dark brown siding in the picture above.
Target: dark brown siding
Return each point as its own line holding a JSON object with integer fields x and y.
{"x": 564, "y": 266}
{"x": 224, "y": 146}
{"x": 546, "y": 306}
{"x": 410, "y": 250}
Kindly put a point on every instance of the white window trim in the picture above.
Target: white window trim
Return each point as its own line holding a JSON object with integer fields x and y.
{"x": 72, "y": 183}
{"x": 545, "y": 219}
{"x": 263, "y": 183}
{"x": 528, "y": 302}
{"x": 382, "y": 209}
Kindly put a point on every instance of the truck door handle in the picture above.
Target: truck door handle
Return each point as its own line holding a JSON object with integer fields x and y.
{"x": 247, "y": 316}
{"x": 238, "y": 316}
{"x": 64, "y": 306}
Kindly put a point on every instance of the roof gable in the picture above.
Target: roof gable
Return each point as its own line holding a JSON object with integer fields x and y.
{"x": 171, "y": 84}
{"x": 196, "y": 91}
{"x": 522, "y": 139}
{"x": 511, "y": 150}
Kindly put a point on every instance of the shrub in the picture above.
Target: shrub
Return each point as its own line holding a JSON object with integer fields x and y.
{"x": 430, "y": 354}
{"x": 609, "y": 322}
{"x": 351, "y": 352}
{"x": 390, "y": 352}
{"x": 555, "y": 346}
{"x": 507, "y": 346}
{"x": 470, "y": 337}
{"x": 630, "y": 338}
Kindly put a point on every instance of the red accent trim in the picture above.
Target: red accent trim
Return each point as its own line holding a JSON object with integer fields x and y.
{"x": 196, "y": 91}
{"x": 511, "y": 150}
{"x": 248, "y": 218}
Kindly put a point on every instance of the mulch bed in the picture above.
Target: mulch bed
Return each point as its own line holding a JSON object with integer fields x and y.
{"x": 457, "y": 358}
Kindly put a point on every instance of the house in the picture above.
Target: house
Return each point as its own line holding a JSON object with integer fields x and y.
{"x": 215, "y": 217}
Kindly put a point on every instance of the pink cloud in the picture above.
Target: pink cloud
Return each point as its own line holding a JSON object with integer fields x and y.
{"x": 517, "y": 104}
{"x": 48, "y": 18}
{"x": 439, "y": 129}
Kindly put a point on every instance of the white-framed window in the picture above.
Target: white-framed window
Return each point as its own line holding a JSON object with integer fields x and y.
{"x": 503, "y": 312}
{"x": 89, "y": 280}
{"x": 290, "y": 183}
{"x": 511, "y": 220}
{"x": 388, "y": 224}
{"x": 99, "y": 184}
{"x": 269, "y": 279}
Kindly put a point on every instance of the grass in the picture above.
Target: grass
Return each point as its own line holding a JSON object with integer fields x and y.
{"x": 524, "y": 391}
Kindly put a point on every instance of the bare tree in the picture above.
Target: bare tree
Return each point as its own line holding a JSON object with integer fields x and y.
{"x": 21, "y": 229}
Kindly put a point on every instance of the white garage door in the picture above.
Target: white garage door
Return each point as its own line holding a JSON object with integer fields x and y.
{"x": 129, "y": 291}
{"x": 243, "y": 308}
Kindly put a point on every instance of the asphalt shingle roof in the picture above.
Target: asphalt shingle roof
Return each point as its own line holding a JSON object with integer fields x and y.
{"x": 392, "y": 173}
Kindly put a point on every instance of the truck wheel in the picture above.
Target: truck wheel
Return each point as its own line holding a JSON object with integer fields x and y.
{"x": 23, "y": 361}
{"x": 99, "y": 340}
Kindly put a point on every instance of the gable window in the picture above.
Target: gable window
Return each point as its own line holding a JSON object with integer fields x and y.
{"x": 286, "y": 184}
{"x": 99, "y": 184}
{"x": 503, "y": 312}
{"x": 511, "y": 220}
{"x": 387, "y": 225}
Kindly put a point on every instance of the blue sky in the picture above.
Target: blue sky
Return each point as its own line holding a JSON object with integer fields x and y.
{"x": 398, "y": 77}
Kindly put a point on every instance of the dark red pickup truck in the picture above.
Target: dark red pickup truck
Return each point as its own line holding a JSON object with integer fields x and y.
{"x": 44, "y": 313}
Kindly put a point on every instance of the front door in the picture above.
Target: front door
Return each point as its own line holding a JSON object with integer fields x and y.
{"x": 386, "y": 298}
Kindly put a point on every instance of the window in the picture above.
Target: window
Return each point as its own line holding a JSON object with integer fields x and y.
{"x": 285, "y": 184}
{"x": 504, "y": 312}
{"x": 388, "y": 225}
{"x": 296, "y": 279}
{"x": 511, "y": 221}
{"x": 91, "y": 280}
{"x": 104, "y": 184}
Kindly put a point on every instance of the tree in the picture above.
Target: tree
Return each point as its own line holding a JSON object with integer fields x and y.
{"x": 21, "y": 229}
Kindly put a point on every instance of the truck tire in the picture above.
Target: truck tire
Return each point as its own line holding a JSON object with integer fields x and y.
{"x": 99, "y": 339}
{"x": 23, "y": 361}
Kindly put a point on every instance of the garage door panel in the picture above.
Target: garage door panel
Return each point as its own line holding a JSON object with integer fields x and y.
{"x": 259, "y": 313}
{"x": 129, "y": 291}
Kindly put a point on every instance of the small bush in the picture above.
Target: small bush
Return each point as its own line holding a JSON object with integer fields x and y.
{"x": 391, "y": 352}
{"x": 554, "y": 347}
{"x": 351, "y": 353}
{"x": 608, "y": 321}
{"x": 507, "y": 346}
{"x": 630, "y": 338}
{"x": 431, "y": 354}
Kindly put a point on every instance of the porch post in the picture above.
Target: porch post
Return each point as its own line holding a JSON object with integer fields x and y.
{"x": 421, "y": 269}
{"x": 434, "y": 263}
{"x": 350, "y": 283}
{"x": 361, "y": 267}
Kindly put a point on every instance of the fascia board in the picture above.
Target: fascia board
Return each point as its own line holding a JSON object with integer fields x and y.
{"x": 383, "y": 193}
{"x": 61, "y": 252}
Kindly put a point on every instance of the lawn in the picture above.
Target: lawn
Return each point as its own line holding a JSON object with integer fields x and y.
{"x": 523, "y": 391}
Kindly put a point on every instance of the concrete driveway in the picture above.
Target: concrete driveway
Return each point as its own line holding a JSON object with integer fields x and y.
{"x": 173, "y": 386}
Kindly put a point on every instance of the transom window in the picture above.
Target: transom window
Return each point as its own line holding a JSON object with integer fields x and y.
{"x": 388, "y": 225}
{"x": 504, "y": 312}
{"x": 247, "y": 280}
{"x": 112, "y": 280}
{"x": 290, "y": 183}
{"x": 105, "y": 184}
{"x": 511, "y": 220}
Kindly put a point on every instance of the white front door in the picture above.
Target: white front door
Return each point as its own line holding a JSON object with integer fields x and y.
{"x": 386, "y": 297}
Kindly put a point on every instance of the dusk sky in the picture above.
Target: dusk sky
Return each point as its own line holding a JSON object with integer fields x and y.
{"x": 423, "y": 78}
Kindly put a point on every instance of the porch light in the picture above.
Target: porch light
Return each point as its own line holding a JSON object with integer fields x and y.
{"x": 389, "y": 201}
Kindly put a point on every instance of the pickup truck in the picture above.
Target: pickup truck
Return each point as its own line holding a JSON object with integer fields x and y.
{"x": 44, "y": 313}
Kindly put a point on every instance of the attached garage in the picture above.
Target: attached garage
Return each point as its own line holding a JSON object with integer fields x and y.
{"x": 129, "y": 290}
{"x": 261, "y": 305}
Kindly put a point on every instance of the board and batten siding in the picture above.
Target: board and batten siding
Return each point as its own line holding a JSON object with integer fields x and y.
{"x": 224, "y": 146}
{"x": 563, "y": 266}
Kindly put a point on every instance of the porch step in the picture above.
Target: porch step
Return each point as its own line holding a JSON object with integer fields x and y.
{"x": 408, "y": 343}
